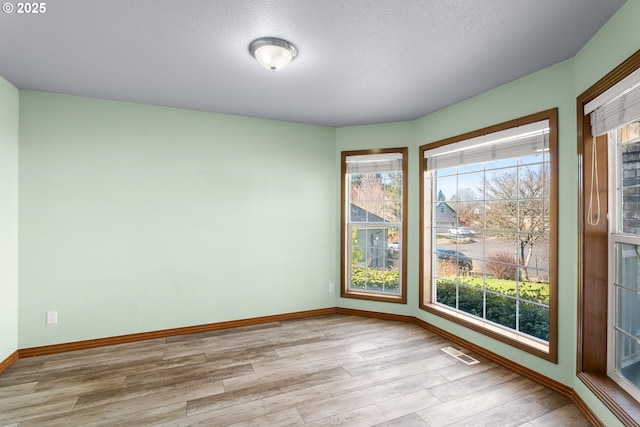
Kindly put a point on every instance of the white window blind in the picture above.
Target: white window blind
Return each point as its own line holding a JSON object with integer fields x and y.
{"x": 515, "y": 142}
{"x": 374, "y": 163}
{"x": 617, "y": 107}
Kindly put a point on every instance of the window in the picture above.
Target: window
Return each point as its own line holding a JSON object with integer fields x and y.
{"x": 624, "y": 259}
{"x": 488, "y": 224}
{"x": 609, "y": 233}
{"x": 373, "y": 225}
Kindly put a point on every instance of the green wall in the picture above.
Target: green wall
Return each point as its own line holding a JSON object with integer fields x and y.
{"x": 546, "y": 89}
{"x": 138, "y": 218}
{"x": 613, "y": 43}
{"x": 9, "y": 101}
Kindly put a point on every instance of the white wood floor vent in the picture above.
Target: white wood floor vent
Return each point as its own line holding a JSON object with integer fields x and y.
{"x": 466, "y": 359}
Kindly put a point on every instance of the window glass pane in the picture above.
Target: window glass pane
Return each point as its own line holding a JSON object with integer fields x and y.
{"x": 533, "y": 257}
{"x": 501, "y": 184}
{"x": 532, "y": 216}
{"x": 374, "y": 279}
{"x": 468, "y": 194}
{"x": 501, "y": 215}
{"x": 470, "y": 186}
{"x": 504, "y": 286}
{"x": 628, "y": 312}
{"x": 393, "y": 248}
{"x": 630, "y": 210}
{"x": 375, "y": 257}
{"x": 501, "y": 309}
{"x": 446, "y": 217}
{"x": 534, "y": 291}
{"x": 471, "y": 300}
{"x": 393, "y": 205}
{"x": 630, "y": 132}
{"x": 531, "y": 181}
{"x": 478, "y": 267}
{"x": 627, "y": 305}
{"x": 502, "y": 271}
{"x": 536, "y": 158}
{"x": 533, "y": 319}
{"x": 628, "y": 263}
{"x": 476, "y": 167}
{"x": 358, "y": 244}
{"x": 375, "y": 209}
{"x": 624, "y": 327}
{"x": 446, "y": 187}
{"x": 446, "y": 172}
{"x": 373, "y": 234}
{"x": 449, "y": 262}
{"x": 356, "y": 194}
{"x": 470, "y": 219}
{"x": 375, "y": 248}
{"x": 446, "y": 292}
{"x": 498, "y": 164}
{"x": 501, "y": 246}
{"x": 628, "y": 358}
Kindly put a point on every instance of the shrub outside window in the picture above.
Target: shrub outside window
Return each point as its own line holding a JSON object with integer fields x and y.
{"x": 488, "y": 225}
{"x": 373, "y": 225}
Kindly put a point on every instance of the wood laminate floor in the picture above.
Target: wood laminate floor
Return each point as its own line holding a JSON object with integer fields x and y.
{"x": 329, "y": 370}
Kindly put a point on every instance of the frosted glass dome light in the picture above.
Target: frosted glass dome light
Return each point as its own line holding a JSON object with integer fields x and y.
{"x": 272, "y": 53}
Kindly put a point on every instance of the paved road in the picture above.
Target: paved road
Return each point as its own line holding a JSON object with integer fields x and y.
{"x": 476, "y": 251}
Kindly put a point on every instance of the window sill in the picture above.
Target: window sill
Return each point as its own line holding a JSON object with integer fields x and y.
{"x": 511, "y": 338}
{"x": 371, "y": 296}
{"x": 620, "y": 403}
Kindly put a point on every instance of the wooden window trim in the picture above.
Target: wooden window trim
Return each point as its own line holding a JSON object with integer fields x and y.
{"x": 345, "y": 292}
{"x": 514, "y": 340}
{"x": 592, "y": 266}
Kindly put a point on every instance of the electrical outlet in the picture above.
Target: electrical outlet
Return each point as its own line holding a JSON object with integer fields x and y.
{"x": 52, "y": 317}
{"x": 331, "y": 287}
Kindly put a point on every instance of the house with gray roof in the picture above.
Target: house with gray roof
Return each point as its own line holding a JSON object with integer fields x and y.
{"x": 373, "y": 241}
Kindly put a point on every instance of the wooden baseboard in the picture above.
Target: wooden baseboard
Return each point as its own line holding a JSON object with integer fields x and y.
{"x": 4, "y": 365}
{"x": 165, "y": 333}
{"x": 586, "y": 410}
{"x": 620, "y": 403}
{"x": 375, "y": 314}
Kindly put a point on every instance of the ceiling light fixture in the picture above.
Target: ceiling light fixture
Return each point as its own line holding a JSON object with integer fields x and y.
{"x": 272, "y": 53}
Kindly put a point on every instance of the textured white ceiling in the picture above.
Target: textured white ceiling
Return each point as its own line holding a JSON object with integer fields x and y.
{"x": 359, "y": 62}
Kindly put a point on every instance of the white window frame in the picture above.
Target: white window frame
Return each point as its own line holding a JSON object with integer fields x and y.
{"x": 616, "y": 236}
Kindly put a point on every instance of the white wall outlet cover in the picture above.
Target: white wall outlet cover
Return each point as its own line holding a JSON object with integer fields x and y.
{"x": 52, "y": 317}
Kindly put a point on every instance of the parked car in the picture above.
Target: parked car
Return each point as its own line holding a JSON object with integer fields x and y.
{"x": 392, "y": 254}
{"x": 460, "y": 231}
{"x": 465, "y": 265}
